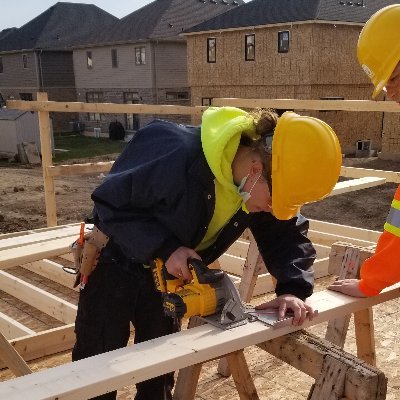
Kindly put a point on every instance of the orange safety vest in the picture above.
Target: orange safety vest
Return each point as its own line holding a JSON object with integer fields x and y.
{"x": 383, "y": 268}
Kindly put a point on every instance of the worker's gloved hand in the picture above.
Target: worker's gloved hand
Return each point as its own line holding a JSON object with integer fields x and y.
{"x": 347, "y": 286}
{"x": 301, "y": 311}
{"x": 177, "y": 264}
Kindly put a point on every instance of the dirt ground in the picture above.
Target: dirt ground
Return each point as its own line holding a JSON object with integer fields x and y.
{"x": 22, "y": 208}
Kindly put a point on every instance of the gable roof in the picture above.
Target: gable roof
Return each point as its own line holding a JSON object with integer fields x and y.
{"x": 6, "y": 32}
{"x": 59, "y": 27}
{"x": 161, "y": 19}
{"x": 266, "y": 12}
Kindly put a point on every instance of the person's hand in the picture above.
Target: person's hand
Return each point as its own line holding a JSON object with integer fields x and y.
{"x": 177, "y": 264}
{"x": 347, "y": 286}
{"x": 285, "y": 302}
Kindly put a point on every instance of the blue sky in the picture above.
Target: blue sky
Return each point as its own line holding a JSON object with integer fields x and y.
{"x": 18, "y": 12}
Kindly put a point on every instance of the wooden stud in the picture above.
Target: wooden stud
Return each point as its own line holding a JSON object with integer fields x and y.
{"x": 365, "y": 338}
{"x": 12, "y": 359}
{"x": 47, "y": 160}
{"x": 241, "y": 376}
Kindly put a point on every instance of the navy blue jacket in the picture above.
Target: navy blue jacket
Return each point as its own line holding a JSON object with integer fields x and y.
{"x": 160, "y": 195}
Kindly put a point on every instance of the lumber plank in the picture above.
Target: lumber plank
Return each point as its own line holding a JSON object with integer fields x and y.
{"x": 365, "y": 337}
{"x": 12, "y": 359}
{"x": 294, "y": 104}
{"x": 53, "y": 271}
{"x": 79, "y": 169}
{"x": 336, "y": 331}
{"x": 42, "y": 344}
{"x": 356, "y": 184}
{"x": 115, "y": 369}
{"x": 241, "y": 376}
{"x": 69, "y": 231}
{"x": 12, "y": 329}
{"x": 328, "y": 239}
{"x": 105, "y": 108}
{"x": 43, "y": 301}
{"x": 345, "y": 230}
{"x": 351, "y": 172}
{"x": 34, "y": 252}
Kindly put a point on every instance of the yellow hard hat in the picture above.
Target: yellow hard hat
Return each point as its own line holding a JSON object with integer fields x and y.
{"x": 306, "y": 161}
{"x": 378, "y": 48}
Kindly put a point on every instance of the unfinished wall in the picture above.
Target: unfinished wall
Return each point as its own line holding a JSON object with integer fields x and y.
{"x": 321, "y": 64}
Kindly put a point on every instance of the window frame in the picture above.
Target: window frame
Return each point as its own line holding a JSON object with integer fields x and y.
{"x": 248, "y": 44}
{"x": 89, "y": 59}
{"x": 281, "y": 48}
{"x": 91, "y": 98}
{"x": 206, "y": 101}
{"x": 176, "y": 96}
{"x": 24, "y": 61}
{"x": 141, "y": 60}
{"x": 114, "y": 58}
{"x": 211, "y": 60}
{"x": 26, "y": 96}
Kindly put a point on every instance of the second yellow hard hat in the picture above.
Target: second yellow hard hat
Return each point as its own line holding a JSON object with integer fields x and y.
{"x": 378, "y": 48}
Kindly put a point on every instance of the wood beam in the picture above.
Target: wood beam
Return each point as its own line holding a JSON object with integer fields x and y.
{"x": 42, "y": 300}
{"x": 351, "y": 172}
{"x": 112, "y": 370}
{"x": 356, "y": 184}
{"x": 324, "y": 105}
{"x": 12, "y": 329}
{"x": 42, "y": 105}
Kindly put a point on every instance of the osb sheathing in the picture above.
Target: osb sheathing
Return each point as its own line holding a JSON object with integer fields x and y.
{"x": 321, "y": 63}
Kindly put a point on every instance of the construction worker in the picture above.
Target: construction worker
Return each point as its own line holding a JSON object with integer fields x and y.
{"x": 181, "y": 191}
{"x": 378, "y": 53}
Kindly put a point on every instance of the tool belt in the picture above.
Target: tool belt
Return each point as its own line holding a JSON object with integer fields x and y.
{"x": 86, "y": 256}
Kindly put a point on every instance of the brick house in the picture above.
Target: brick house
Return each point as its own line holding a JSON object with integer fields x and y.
{"x": 141, "y": 59}
{"x": 38, "y": 56}
{"x": 300, "y": 49}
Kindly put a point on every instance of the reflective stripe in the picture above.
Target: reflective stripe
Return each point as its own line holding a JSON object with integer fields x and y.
{"x": 392, "y": 229}
{"x": 394, "y": 217}
{"x": 396, "y": 204}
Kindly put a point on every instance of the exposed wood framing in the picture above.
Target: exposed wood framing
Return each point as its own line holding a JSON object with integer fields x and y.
{"x": 13, "y": 329}
{"x": 292, "y": 104}
{"x": 43, "y": 301}
{"x": 12, "y": 359}
{"x": 351, "y": 172}
{"x": 356, "y": 184}
{"x": 42, "y": 105}
{"x": 308, "y": 354}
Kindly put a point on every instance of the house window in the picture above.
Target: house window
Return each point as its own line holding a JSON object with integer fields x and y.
{"x": 283, "y": 41}
{"x": 140, "y": 55}
{"x": 176, "y": 96}
{"x": 114, "y": 58}
{"x": 211, "y": 50}
{"x": 1, "y": 65}
{"x": 250, "y": 47}
{"x": 206, "y": 101}
{"x": 2, "y": 102}
{"x": 24, "y": 61}
{"x": 26, "y": 96}
{"x": 131, "y": 120}
{"x": 94, "y": 97}
{"x": 89, "y": 60}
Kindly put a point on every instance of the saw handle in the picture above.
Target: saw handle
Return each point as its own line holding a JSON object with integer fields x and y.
{"x": 202, "y": 273}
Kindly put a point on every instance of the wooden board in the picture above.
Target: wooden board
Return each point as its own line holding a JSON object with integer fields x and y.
{"x": 96, "y": 375}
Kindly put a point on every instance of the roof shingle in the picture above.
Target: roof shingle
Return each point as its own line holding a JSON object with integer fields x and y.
{"x": 59, "y": 27}
{"x": 265, "y": 12}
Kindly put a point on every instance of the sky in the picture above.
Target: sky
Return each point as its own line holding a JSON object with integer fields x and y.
{"x": 18, "y": 12}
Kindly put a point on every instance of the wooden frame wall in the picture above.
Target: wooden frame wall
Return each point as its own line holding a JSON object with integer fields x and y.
{"x": 34, "y": 249}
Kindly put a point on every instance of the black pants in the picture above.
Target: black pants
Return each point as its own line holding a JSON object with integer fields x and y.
{"x": 115, "y": 296}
